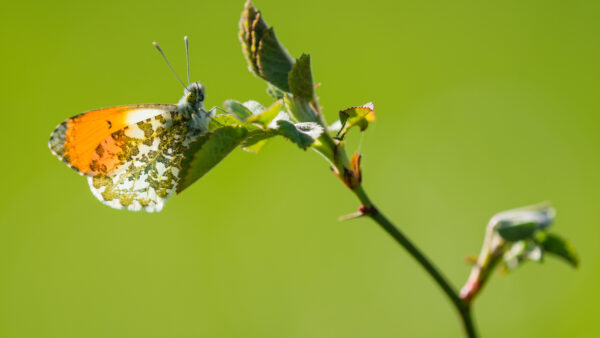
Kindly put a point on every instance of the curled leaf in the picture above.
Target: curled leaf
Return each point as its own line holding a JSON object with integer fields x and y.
{"x": 515, "y": 236}
{"x": 355, "y": 162}
{"x": 356, "y": 116}
{"x": 541, "y": 215}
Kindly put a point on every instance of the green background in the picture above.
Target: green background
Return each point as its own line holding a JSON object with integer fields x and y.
{"x": 481, "y": 107}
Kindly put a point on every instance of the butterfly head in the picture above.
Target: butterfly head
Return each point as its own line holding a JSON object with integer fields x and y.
{"x": 193, "y": 96}
{"x": 194, "y": 93}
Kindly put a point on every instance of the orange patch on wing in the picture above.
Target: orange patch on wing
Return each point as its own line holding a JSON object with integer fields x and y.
{"x": 106, "y": 158}
{"x": 85, "y": 132}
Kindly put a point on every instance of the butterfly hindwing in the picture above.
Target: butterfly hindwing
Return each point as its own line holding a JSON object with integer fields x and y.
{"x": 137, "y": 167}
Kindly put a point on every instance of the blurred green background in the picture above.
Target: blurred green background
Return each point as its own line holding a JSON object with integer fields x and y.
{"x": 481, "y": 107}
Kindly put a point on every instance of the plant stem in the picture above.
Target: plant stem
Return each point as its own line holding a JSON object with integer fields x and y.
{"x": 462, "y": 307}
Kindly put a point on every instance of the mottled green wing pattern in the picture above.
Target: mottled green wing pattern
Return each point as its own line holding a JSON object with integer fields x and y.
{"x": 137, "y": 167}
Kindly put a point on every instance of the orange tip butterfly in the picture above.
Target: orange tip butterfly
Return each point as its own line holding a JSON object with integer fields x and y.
{"x": 132, "y": 154}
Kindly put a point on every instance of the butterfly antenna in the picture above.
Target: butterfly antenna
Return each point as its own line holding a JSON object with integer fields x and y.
{"x": 187, "y": 56}
{"x": 168, "y": 64}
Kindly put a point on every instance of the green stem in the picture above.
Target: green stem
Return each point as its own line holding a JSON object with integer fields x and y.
{"x": 463, "y": 308}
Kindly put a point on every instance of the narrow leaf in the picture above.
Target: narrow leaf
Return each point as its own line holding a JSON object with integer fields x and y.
{"x": 558, "y": 246}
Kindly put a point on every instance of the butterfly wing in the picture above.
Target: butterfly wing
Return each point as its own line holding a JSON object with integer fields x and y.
{"x": 75, "y": 140}
{"x": 133, "y": 167}
{"x": 137, "y": 167}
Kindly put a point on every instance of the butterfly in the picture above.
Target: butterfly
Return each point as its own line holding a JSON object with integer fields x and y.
{"x": 132, "y": 155}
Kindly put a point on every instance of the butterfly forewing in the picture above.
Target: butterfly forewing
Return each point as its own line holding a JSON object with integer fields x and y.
{"x": 75, "y": 140}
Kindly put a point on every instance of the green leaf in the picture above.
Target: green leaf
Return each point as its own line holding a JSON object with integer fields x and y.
{"x": 267, "y": 115}
{"x": 514, "y": 233}
{"x": 259, "y": 26}
{"x": 255, "y": 147}
{"x": 222, "y": 120}
{"x": 254, "y": 107}
{"x": 300, "y": 109}
{"x": 265, "y": 55}
{"x": 312, "y": 129}
{"x": 542, "y": 214}
{"x": 356, "y": 116}
{"x": 301, "y": 80}
{"x": 274, "y": 62}
{"x": 303, "y": 134}
{"x": 558, "y": 246}
{"x": 257, "y": 139}
{"x": 208, "y": 150}
{"x": 252, "y": 26}
{"x": 238, "y": 109}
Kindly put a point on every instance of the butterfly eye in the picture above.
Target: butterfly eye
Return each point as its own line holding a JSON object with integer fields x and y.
{"x": 191, "y": 97}
{"x": 195, "y": 93}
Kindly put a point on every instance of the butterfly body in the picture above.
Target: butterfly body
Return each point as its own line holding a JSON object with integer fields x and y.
{"x": 132, "y": 155}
